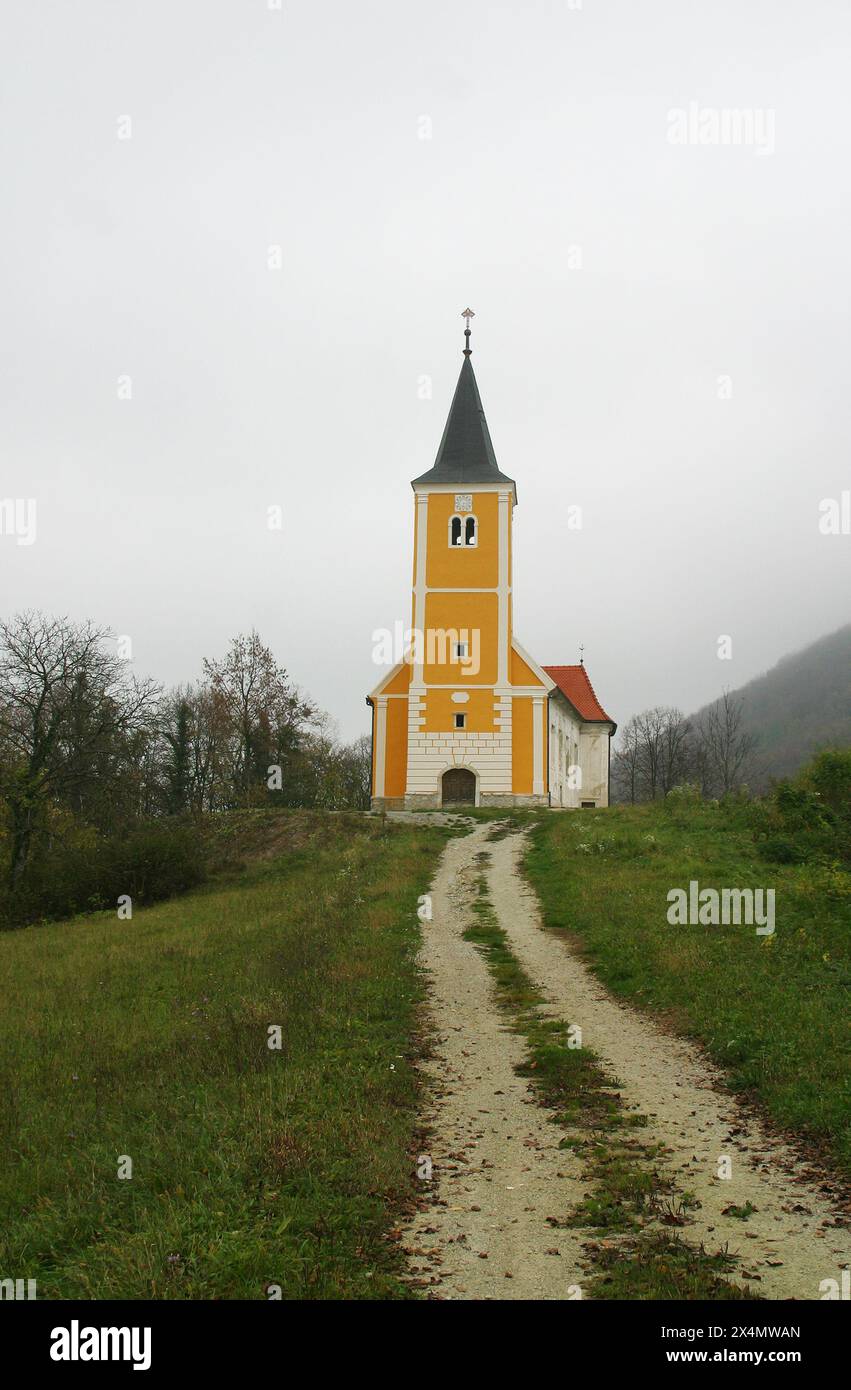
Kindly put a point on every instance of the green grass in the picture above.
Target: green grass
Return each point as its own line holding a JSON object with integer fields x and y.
{"x": 659, "y": 1266}
{"x": 771, "y": 1010}
{"x": 628, "y": 1195}
{"x": 148, "y": 1039}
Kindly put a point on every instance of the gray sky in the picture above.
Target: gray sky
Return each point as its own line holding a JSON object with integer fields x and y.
{"x": 551, "y": 145}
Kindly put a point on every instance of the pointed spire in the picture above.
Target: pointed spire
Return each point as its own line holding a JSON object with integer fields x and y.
{"x": 466, "y": 453}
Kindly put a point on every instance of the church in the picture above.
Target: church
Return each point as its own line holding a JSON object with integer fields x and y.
{"x": 468, "y": 717}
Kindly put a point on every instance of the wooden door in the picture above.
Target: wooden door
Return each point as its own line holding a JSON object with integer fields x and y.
{"x": 459, "y": 787}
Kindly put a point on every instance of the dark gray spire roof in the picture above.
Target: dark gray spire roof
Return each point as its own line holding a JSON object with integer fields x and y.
{"x": 466, "y": 453}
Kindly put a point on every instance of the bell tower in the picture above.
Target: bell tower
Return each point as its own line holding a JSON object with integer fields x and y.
{"x": 463, "y": 718}
{"x": 459, "y": 706}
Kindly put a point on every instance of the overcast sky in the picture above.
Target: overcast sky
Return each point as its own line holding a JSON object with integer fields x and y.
{"x": 616, "y": 276}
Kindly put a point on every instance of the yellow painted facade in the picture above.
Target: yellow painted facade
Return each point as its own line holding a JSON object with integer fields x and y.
{"x": 521, "y": 672}
{"x": 397, "y": 747}
{"x": 459, "y": 567}
{"x": 439, "y": 710}
{"x": 521, "y": 746}
{"x": 466, "y": 664}
{"x": 462, "y": 615}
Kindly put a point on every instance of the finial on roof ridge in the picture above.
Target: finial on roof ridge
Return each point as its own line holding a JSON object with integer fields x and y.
{"x": 467, "y": 314}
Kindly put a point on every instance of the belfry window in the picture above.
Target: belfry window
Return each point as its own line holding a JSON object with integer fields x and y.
{"x": 460, "y": 721}
{"x": 463, "y": 531}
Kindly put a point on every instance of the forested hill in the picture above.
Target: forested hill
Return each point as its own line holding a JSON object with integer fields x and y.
{"x": 800, "y": 705}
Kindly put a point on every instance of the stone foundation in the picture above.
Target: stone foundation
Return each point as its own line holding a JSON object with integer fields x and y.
{"x": 387, "y": 803}
{"x": 430, "y": 801}
{"x": 513, "y": 799}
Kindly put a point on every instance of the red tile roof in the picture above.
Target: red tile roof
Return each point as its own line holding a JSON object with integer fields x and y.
{"x": 573, "y": 682}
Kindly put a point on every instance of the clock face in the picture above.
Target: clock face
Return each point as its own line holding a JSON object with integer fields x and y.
{"x": 463, "y": 502}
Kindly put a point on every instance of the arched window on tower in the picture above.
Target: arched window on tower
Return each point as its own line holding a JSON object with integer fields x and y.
{"x": 463, "y": 531}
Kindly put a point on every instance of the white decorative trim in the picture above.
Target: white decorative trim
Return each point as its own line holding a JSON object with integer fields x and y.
{"x": 521, "y": 691}
{"x": 426, "y": 488}
{"x": 487, "y": 754}
{"x": 420, "y": 582}
{"x": 380, "y": 743}
{"x": 504, "y": 521}
{"x": 538, "y": 745}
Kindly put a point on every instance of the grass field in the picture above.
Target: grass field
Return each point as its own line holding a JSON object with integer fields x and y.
{"x": 771, "y": 1010}
{"x": 148, "y": 1038}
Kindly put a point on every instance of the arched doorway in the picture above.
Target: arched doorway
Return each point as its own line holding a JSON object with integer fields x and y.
{"x": 458, "y": 787}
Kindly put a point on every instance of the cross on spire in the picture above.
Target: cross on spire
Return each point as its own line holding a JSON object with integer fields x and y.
{"x": 581, "y": 653}
{"x": 467, "y": 314}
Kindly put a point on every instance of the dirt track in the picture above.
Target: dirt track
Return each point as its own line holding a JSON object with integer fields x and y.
{"x": 498, "y": 1171}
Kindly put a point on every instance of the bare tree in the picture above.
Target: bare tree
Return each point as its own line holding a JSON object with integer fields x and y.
{"x": 626, "y": 762}
{"x": 654, "y": 754}
{"x": 675, "y": 749}
{"x": 650, "y": 728}
{"x": 66, "y": 702}
{"x": 727, "y": 745}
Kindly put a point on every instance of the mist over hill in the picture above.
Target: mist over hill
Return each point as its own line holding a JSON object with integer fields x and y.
{"x": 801, "y": 705}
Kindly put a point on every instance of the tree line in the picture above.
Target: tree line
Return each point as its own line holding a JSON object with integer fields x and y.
{"x": 83, "y": 741}
{"x": 660, "y": 749}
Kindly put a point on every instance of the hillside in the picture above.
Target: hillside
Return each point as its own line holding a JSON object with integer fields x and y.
{"x": 801, "y": 705}
{"x": 256, "y": 1160}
